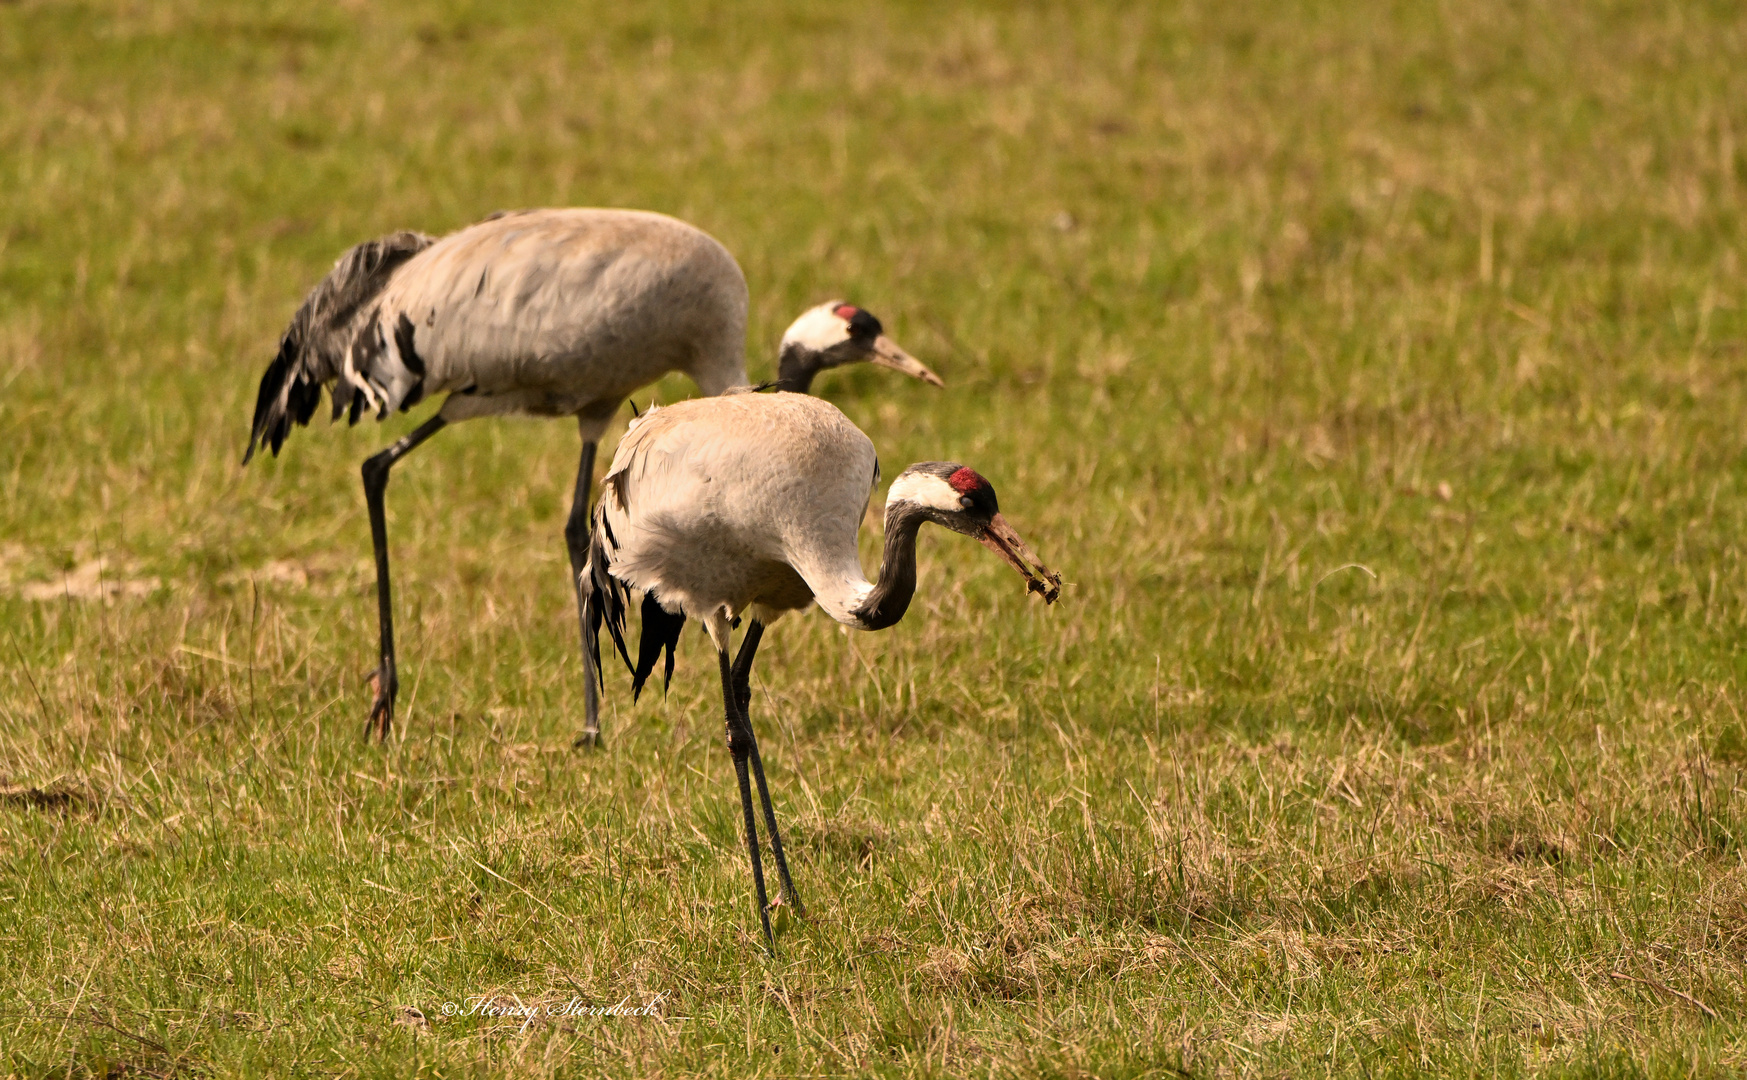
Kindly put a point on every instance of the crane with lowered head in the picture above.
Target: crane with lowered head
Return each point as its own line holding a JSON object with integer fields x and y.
{"x": 746, "y": 506}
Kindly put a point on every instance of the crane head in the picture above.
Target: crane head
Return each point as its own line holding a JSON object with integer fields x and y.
{"x": 837, "y": 333}
{"x": 961, "y": 499}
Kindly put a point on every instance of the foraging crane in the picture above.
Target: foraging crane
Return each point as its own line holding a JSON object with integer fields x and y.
{"x": 747, "y": 505}
{"x": 542, "y": 312}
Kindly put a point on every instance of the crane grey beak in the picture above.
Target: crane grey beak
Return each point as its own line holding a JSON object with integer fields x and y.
{"x": 1000, "y": 538}
{"x": 887, "y": 354}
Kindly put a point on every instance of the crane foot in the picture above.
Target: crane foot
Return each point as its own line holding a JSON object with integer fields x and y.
{"x": 382, "y": 708}
{"x": 783, "y": 913}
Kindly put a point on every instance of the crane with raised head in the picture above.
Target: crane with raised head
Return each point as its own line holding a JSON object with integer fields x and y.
{"x": 559, "y": 312}
{"x": 746, "y": 507}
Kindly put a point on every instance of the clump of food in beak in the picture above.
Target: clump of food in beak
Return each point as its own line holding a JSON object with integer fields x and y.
{"x": 1003, "y": 540}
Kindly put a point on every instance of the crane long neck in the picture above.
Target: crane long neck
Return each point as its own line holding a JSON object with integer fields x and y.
{"x": 891, "y": 594}
{"x": 795, "y": 370}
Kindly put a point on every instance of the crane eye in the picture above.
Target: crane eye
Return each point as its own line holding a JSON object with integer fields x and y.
{"x": 966, "y": 502}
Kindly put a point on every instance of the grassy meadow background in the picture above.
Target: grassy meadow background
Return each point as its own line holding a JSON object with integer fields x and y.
{"x": 1373, "y": 372}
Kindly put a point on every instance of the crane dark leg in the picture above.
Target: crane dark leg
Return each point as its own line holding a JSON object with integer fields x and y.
{"x": 576, "y": 539}
{"x": 739, "y": 747}
{"x": 375, "y": 483}
{"x": 743, "y": 696}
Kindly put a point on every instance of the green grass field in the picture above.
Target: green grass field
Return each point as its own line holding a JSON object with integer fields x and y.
{"x": 1373, "y": 372}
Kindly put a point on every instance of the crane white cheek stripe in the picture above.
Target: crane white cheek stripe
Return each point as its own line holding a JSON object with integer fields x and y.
{"x": 818, "y": 329}
{"x": 924, "y": 489}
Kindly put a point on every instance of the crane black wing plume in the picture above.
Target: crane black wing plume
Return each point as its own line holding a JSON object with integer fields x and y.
{"x": 604, "y": 599}
{"x": 311, "y": 352}
{"x": 660, "y": 631}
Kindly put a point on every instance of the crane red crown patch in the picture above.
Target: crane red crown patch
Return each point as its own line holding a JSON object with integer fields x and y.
{"x": 966, "y": 480}
{"x": 846, "y": 311}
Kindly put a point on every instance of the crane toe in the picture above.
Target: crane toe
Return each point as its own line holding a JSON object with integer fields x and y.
{"x": 382, "y": 705}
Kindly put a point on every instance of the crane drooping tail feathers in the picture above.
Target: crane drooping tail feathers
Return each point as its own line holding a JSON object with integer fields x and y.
{"x": 312, "y": 352}
{"x": 660, "y": 633}
{"x": 605, "y": 598}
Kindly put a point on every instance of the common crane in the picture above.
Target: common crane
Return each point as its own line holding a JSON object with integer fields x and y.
{"x": 747, "y": 506}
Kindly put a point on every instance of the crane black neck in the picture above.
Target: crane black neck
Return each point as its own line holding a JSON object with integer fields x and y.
{"x": 796, "y": 367}
{"x": 892, "y": 593}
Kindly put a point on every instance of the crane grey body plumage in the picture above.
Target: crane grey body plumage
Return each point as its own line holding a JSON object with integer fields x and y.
{"x": 748, "y": 506}
{"x": 753, "y": 501}
{"x": 556, "y": 312}
{"x": 542, "y": 312}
